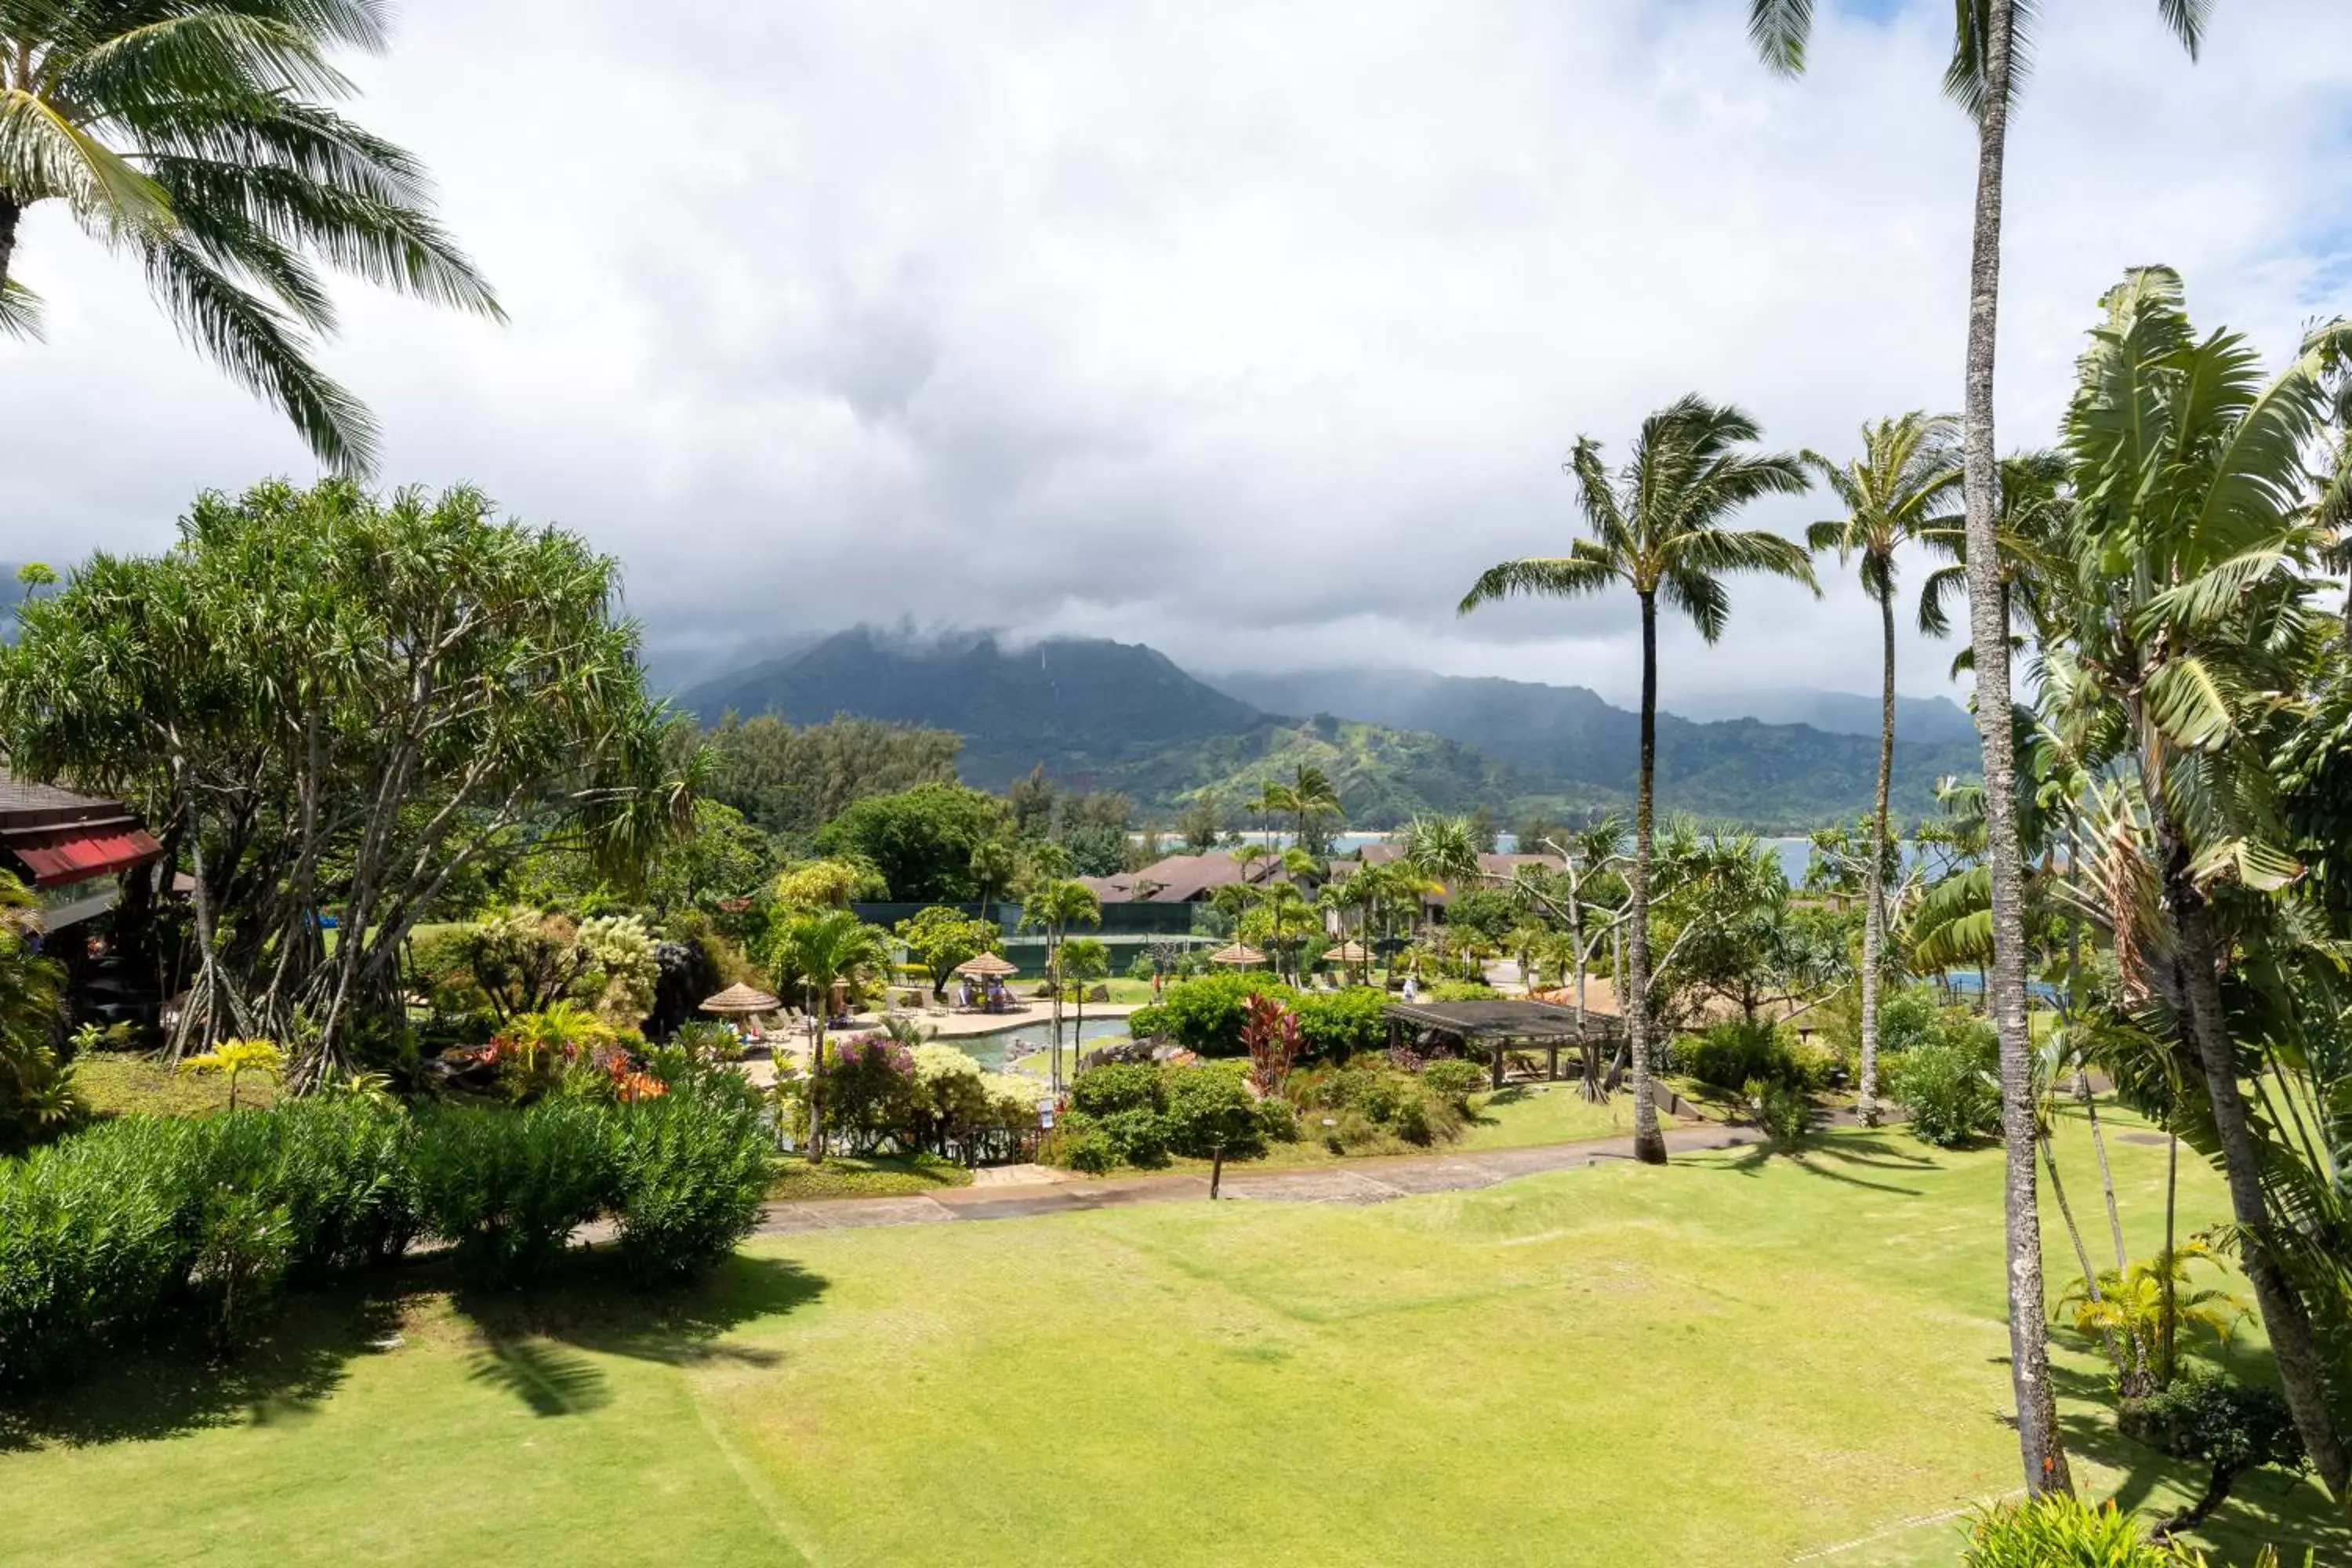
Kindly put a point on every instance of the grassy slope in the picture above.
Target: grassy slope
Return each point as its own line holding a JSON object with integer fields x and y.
{"x": 1732, "y": 1361}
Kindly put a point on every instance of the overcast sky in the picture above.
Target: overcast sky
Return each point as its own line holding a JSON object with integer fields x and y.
{"x": 1250, "y": 332}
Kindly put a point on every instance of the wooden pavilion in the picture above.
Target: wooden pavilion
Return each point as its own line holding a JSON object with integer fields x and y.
{"x": 1493, "y": 1028}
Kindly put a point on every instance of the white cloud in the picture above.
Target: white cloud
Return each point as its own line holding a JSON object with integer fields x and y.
{"x": 1252, "y": 332}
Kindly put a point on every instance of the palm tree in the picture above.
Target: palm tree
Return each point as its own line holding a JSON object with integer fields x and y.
{"x": 192, "y": 134}
{"x": 1896, "y": 490}
{"x": 1983, "y": 76}
{"x": 2187, "y": 611}
{"x": 994, "y": 867}
{"x": 1055, "y": 907}
{"x": 1312, "y": 799}
{"x": 813, "y": 952}
{"x": 1659, "y": 531}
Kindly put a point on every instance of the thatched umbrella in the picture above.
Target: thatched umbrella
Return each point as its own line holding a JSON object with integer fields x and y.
{"x": 1240, "y": 954}
{"x": 741, "y": 999}
{"x": 1348, "y": 954}
{"x": 986, "y": 965}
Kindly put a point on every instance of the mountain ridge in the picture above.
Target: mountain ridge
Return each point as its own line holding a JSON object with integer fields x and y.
{"x": 1097, "y": 714}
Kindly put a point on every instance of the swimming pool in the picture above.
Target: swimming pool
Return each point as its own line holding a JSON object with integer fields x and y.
{"x": 989, "y": 1049}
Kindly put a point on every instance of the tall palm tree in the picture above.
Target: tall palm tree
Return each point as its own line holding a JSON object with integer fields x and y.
{"x": 994, "y": 867}
{"x": 1443, "y": 853}
{"x": 1987, "y": 66}
{"x": 1055, "y": 907}
{"x": 193, "y": 134}
{"x": 1895, "y": 491}
{"x": 1659, "y": 531}
{"x": 812, "y": 953}
{"x": 1312, "y": 799}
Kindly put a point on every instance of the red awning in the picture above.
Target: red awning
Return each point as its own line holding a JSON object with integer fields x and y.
{"x": 78, "y": 857}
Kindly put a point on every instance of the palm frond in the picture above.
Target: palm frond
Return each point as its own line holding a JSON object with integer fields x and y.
{"x": 1780, "y": 30}
{"x": 20, "y": 311}
{"x": 260, "y": 350}
{"x": 42, "y": 153}
{"x": 1557, "y": 576}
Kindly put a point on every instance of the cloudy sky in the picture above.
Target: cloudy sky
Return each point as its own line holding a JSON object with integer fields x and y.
{"x": 1250, "y": 332}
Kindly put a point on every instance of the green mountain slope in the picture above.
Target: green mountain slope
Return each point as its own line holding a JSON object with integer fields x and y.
{"x": 1097, "y": 714}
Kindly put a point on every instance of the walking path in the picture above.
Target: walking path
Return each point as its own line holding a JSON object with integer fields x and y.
{"x": 1019, "y": 1191}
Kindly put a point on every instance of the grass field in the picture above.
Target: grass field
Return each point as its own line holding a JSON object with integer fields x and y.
{"x": 1738, "y": 1359}
{"x": 118, "y": 1083}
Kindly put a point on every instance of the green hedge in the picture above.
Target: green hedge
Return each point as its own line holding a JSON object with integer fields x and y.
{"x": 147, "y": 1226}
{"x": 1205, "y": 1016}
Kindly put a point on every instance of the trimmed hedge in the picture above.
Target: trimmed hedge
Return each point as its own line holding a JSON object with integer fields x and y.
{"x": 1204, "y": 1015}
{"x": 149, "y": 1225}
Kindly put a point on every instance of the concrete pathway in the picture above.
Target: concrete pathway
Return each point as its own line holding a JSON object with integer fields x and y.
{"x": 1369, "y": 1180}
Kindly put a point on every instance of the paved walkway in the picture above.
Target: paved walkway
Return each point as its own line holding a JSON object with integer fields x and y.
{"x": 1370, "y": 1181}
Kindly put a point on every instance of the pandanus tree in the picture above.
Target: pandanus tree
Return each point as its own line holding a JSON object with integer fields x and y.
{"x": 195, "y": 136}
{"x": 810, "y": 955}
{"x": 1987, "y": 64}
{"x": 2178, "y": 645}
{"x": 1659, "y": 532}
{"x": 1900, "y": 487}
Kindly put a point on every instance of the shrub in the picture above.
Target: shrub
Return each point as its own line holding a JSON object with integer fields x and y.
{"x": 870, "y": 1093}
{"x": 1454, "y": 1079}
{"x": 507, "y": 1189}
{"x": 2061, "y": 1530}
{"x": 1733, "y": 1053}
{"x": 1205, "y": 1015}
{"x": 688, "y": 1173}
{"x": 1081, "y": 1147}
{"x": 1784, "y": 1114}
{"x": 1335, "y": 1024}
{"x": 1461, "y": 991}
{"x": 1209, "y": 1108}
{"x": 1137, "y": 1136}
{"x": 1277, "y": 1121}
{"x": 1115, "y": 1087}
{"x": 2231, "y": 1427}
{"x": 1369, "y": 1102}
{"x": 90, "y": 1246}
{"x": 1950, "y": 1085}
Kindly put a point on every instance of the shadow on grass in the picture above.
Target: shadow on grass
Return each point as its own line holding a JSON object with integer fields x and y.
{"x": 533, "y": 1345}
{"x": 532, "y": 1342}
{"x": 1824, "y": 1157}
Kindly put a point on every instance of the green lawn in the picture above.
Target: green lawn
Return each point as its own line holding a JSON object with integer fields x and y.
{"x": 121, "y": 1083}
{"x": 1738, "y": 1359}
{"x": 878, "y": 1176}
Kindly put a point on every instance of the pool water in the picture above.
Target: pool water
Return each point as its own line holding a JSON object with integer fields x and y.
{"x": 989, "y": 1049}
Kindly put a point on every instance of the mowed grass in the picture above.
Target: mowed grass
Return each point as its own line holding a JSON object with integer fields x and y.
{"x": 1736, "y": 1360}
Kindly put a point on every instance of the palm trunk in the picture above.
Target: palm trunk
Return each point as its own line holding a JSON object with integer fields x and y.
{"x": 2106, "y": 1173}
{"x": 1649, "y": 1143}
{"x": 2082, "y": 1258}
{"x": 1874, "y": 919}
{"x": 9, "y": 213}
{"x": 2039, "y": 1443}
{"x": 2168, "y": 1331}
{"x": 817, "y": 1088}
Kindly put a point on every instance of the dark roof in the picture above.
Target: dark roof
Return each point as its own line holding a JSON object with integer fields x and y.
{"x": 1498, "y": 1020}
{"x": 18, "y": 797}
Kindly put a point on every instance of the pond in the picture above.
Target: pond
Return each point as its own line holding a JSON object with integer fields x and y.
{"x": 989, "y": 1049}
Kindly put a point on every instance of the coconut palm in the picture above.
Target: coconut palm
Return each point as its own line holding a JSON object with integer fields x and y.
{"x": 1313, "y": 799}
{"x": 1658, "y": 530}
{"x": 1901, "y": 487}
{"x": 1987, "y": 66}
{"x": 812, "y": 953}
{"x": 194, "y": 134}
{"x": 1054, "y": 907}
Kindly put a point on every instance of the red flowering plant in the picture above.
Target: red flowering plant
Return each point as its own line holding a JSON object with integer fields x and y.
{"x": 1270, "y": 1032}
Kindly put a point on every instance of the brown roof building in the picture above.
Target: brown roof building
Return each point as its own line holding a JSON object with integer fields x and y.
{"x": 1179, "y": 880}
